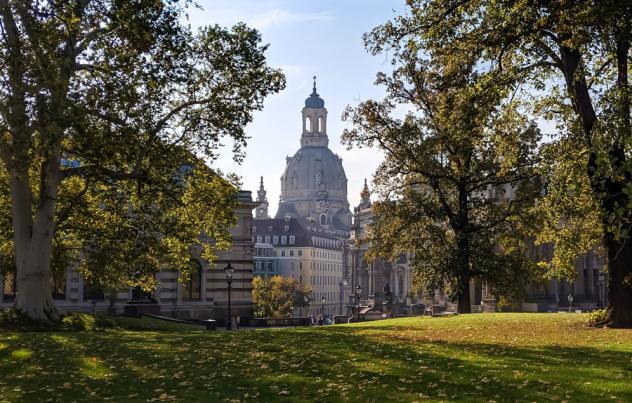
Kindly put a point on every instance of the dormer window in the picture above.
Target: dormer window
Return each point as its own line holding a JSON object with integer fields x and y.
{"x": 270, "y": 228}
{"x": 254, "y": 229}
{"x": 283, "y": 240}
{"x": 292, "y": 239}
{"x": 286, "y": 228}
{"x": 275, "y": 240}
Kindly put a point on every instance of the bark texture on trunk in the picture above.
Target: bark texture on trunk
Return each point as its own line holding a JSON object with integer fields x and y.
{"x": 464, "y": 296}
{"x": 34, "y": 241}
{"x": 610, "y": 189}
{"x": 620, "y": 282}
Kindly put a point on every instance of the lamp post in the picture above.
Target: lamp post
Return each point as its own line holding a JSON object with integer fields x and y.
{"x": 306, "y": 299}
{"x": 358, "y": 293}
{"x": 229, "y": 279}
{"x": 602, "y": 289}
{"x": 570, "y": 302}
{"x": 322, "y": 307}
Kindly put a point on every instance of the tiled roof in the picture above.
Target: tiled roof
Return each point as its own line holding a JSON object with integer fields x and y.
{"x": 305, "y": 233}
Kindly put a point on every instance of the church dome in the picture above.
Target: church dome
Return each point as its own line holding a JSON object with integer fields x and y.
{"x": 314, "y": 101}
{"x": 313, "y": 170}
{"x": 314, "y": 184}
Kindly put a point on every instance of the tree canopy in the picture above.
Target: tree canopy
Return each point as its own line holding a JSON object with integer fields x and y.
{"x": 108, "y": 112}
{"x": 458, "y": 173}
{"x": 277, "y": 297}
{"x": 571, "y": 61}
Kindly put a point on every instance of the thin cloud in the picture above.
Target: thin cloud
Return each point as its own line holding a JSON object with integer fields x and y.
{"x": 279, "y": 17}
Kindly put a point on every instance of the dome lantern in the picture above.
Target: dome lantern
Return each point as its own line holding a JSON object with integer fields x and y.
{"x": 314, "y": 121}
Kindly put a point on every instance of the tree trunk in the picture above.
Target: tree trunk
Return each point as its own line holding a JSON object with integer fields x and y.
{"x": 620, "y": 282}
{"x": 610, "y": 189}
{"x": 33, "y": 240}
{"x": 464, "y": 296}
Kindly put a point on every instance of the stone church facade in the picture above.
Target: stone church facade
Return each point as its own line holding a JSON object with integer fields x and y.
{"x": 314, "y": 183}
{"x": 313, "y": 222}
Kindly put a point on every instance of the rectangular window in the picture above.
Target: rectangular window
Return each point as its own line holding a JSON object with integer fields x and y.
{"x": 282, "y": 253}
{"x": 283, "y": 240}
{"x": 275, "y": 240}
{"x": 192, "y": 288}
{"x": 291, "y": 253}
{"x": 259, "y": 239}
{"x": 58, "y": 284}
{"x": 300, "y": 251}
{"x": 92, "y": 292}
{"x": 8, "y": 286}
{"x": 267, "y": 239}
{"x": 292, "y": 239}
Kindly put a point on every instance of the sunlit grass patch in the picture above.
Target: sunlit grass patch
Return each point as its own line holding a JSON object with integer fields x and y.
{"x": 21, "y": 354}
{"x": 502, "y": 357}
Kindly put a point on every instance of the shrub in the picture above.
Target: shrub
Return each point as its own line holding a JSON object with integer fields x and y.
{"x": 78, "y": 321}
{"x": 599, "y": 317}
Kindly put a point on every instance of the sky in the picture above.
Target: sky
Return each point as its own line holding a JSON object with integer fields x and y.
{"x": 307, "y": 38}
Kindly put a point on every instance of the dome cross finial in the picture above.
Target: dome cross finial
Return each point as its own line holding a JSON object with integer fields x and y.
{"x": 314, "y": 84}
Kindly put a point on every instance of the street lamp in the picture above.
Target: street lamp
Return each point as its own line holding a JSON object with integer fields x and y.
{"x": 602, "y": 289}
{"x": 570, "y": 302}
{"x": 306, "y": 299}
{"x": 229, "y": 279}
{"x": 358, "y": 293}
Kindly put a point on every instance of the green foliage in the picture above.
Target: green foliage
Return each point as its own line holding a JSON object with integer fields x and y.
{"x": 458, "y": 175}
{"x": 109, "y": 113}
{"x": 599, "y": 317}
{"x": 78, "y": 321}
{"x": 567, "y": 214}
{"x": 277, "y": 297}
{"x": 570, "y": 62}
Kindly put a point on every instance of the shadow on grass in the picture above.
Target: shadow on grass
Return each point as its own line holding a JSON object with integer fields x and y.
{"x": 323, "y": 364}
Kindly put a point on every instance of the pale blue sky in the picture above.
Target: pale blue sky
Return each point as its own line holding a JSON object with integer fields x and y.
{"x": 307, "y": 38}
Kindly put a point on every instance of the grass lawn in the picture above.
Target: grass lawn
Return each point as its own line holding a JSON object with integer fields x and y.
{"x": 479, "y": 357}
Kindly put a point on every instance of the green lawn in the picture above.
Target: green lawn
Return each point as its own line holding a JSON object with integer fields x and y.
{"x": 479, "y": 357}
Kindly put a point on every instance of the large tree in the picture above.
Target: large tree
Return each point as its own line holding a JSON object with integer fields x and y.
{"x": 457, "y": 174}
{"x": 575, "y": 55}
{"x": 106, "y": 108}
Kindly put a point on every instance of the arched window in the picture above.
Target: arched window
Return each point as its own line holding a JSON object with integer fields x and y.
{"x": 192, "y": 287}
{"x": 323, "y": 219}
{"x": 308, "y": 124}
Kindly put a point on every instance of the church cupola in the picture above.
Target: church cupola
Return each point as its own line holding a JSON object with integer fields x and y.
{"x": 314, "y": 121}
{"x": 365, "y": 197}
{"x": 262, "y": 210}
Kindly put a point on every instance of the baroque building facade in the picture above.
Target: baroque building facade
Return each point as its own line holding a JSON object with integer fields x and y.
{"x": 588, "y": 291}
{"x": 313, "y": 222}
{"x": 304, "y": 251}
{"x": 203, "y": 296}
{"x": 374, "y": 278}
{"x": 314, "y": 183}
